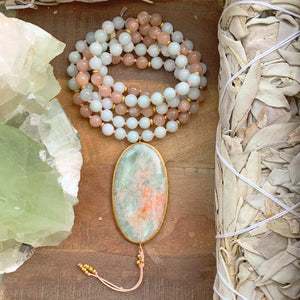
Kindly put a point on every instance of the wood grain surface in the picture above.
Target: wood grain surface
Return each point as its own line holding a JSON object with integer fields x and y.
{"x": 180, "y": 260}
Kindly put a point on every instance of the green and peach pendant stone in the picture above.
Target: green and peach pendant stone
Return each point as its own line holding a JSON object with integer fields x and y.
{"x": 140, "y": 192}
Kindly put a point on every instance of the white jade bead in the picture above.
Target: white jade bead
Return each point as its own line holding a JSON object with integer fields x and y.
{"x": 182, "y": 88}
{"x": 118, "y": 22}
{"x": 183, "y": 74}
{"x": 140, "y": 49}
{"x": 89, "y": 86}
{"x": 106, "y": 115}
{"x": 95, "y": 106}
{"x": 95, "y": 63}
{"x": 167, "y": 27}
{"x": 101, "y": 36}
{"x": 176, "y": 72}
{"x": 204, "y": 67}
{"x": 96, "y": 96}
{"x": 129, "y": 47}
{"x": 118, "y": 121}
{"x": 147, "y": 135}
{"x": 130, "y": 100}
{"x": 106, "y": 58}
{"x": 107, "y": 103}
{"x": 104, "y": 46}
{"x": 165, "y": 51}
{"x": 95, "y": 48}
{"x": 160, "y": 132}
{"x": 132, "y": 136}
{"x": 73, "y": 85}
{"x": 174, "y": 102}
{"x": 194, "y": 80}
{"x": 108, "y": 129}
{"x": 203, "y": 81}
{"x": 189, "y": 44}
{"x": 144, "y": 122}
{"x": 120, "y": 133}
{"x": 108, "y": 80}
{"x": 124, "y": 38}
{"x": 174, "y": 48}
{"x": 86, "y": 94}
{"x": 143, "y": 101}
{"x": 90, "y": 37}
{"x": 172, "y": 126}
{"x": 80, "y": 45}
{"x": 72, "y": 70}
{"x": 194, "y": 93}
{"x": 153, "y": 50}
{"x": 119, "y": 86}
{"x": 169, "y": 65}
{"x": 116, "y": 49}
{"x": 156, "y": 63}
{"x": 74, "y": 56}
{"x": 162, "y": 109}
{"x": 112, "y": 42}
{"x": 181, "y": 61}
{"x": 177, "y": 36}
{"x": 108, "y": 27}
{"x": 169, "y": 93}
{"x": 103, "y": 70}
{"x": 157, "y": 98}
{"x": 132, "y": 123}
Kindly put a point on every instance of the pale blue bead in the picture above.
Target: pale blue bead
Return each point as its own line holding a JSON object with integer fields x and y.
{"x": 162, "y": 109}
{"x": 194, "y": 80}
{"x": 95, "y": 63}
{"x": 107, "y": 103}
{"x": 80, "y": 45}
{"x": 204, "y": 67}
{"x": 143, "y": 101}
{"x": 167, "y": 27}
{"x": 90, "y": 86}
{"x": 144, "y": 122}
{"x": 113, "y": 41}
{"x": 124, "y": 38}
{"x": 174, "y": 48}
{"x": 157, "y": 98}
{"x": 119, "y": 86}
{"x": 194, "y": 93}
{"x": 203, "y": 81}
{"x": 182, "y": 88}
{"x": 181, "y": 61}
{"x": 106, "y": 115}
{"x": 72, "y": 70}
{"x": 73, "y": 85}
{"x": 160, "y": 132}
{"x": 106, "y": 58}
{"x": 116, "y": 49}
{"x": 176, "y": 72}
{"x": 129, "y": 47}
{"x": 164, "y": 51}
{"x": 96, "y": 96}
{"x": 189, "y": 44}
{"x": 103, "y": 70}
{"x": 118, "y": 22}
{"x": 169, "y": 93}
{"x": 86, "y": 94}
{"x": 95, "y": 48}
{"x": 183, "y": 74}
{"x": 101, "y": 36}
{"x": 95, "y": 106}
{"x": 132, "y": 136}
{"x": 90, "y": 37}
{"x": 172, "y": 126}
{"x": 131, "y": 100}
{"x": 108, "y": 129}
{"x": 174, "y": 102}
{"x": 169, "y": 65}
{"x": 107, "y": 79}
{"x": 177, "y": 36}
{"x": 156, "y": 63}
{"x": 147, "y": 135}
{"x": 74, "y": 56}
{"x": 153, "y": 50}
{"x": 118, "y": 121}
{"x": 140, "y": 49}
{"x": 104, "y": 46}
{"x": 108, "y": 27}
{"x": 120, "y": 133}
{"x": 132, "y": 123}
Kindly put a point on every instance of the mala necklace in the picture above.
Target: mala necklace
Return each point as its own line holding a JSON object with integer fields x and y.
{"x": 140, "y": 184}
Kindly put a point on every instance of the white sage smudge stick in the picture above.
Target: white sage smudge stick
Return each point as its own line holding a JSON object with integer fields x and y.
{"x": 258, "y": 152}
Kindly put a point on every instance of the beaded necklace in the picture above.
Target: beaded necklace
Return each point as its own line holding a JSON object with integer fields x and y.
{"x": 140, "y": 185}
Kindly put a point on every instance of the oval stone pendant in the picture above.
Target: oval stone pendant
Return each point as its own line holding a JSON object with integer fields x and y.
{"x": 140, "y": 192}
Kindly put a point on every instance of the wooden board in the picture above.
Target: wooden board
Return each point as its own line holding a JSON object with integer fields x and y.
{"x": 180, "y": 260}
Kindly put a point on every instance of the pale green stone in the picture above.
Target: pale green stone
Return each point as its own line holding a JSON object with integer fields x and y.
{"x": 140, "y": 192}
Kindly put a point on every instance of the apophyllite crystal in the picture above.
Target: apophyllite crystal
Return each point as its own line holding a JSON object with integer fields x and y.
{"x": 40, "y": 158}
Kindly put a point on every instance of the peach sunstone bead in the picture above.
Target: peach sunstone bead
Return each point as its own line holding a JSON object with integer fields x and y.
{"x": 193, "y": 57}
{"x": 116, "y": 97}
{"x": 83, "y": 65}
{"x": 97, "y": 79}
{"x": 85, "y": 111}
{"x": 134, "y": 111}
{"x": 159, "y": 120}
{"x": 76, "y": 99}
{"x": 104, "y": 90}
{"x": 82, "y": 79}
{"x": 121, "y": 109}
{"x": 132, "y": 25}
{"x": 172, "y": 113}
{"x": 142, "y": 62}
{"x": 144, "y": 29}
{"x": 196, "y": 67}
{"x": 153, "y": 32}
{"x": 184, "y": 106}
{"x": 133, "y": 89}
{"x": 143, "y": 17}
{"x": 184, "y": 118}
{"x": 155, "y": 19}
{"x": 128, "y": 59}
{"x": 95, "y": 121}
{"x": 163, "y": 38}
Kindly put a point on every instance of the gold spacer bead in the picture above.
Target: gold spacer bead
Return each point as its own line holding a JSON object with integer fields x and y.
{"x": 161, "y": 24}
{"x": 76, "y": 91}
{"x": 197, "y": 73}
{"x": 95, "y": 71}
{"x": 86, "y": 266}
{"x": 102, "y": 124}
{"x": 154, "y": 109}
{"x": 188, "y": 99}
{"x": 83, "y": 269}
{"x": 128, "y": 30}
{"x": 149, "y": 64}
{"x": 114, "y": 106}
{"x": 123, "y": 98}
{"x": 113, "y": 35}
{"x": 201, "y": 88}
{"x": 86, "y": 272}
{"x": 168, "y": 43}
{"x": 94, "y": 271}
{"x": 83, "y": 87}
{"x": 90, "y": 269}
{"x": 142, "y": 260}
{"x": 79, "y": 265}
{"x": 126, "y": 89}
{"x": 139, "y": 256}
{"x": 138, "y": 262}
{"x": 151, "y": 121}
{"x": 178, "y": 122}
